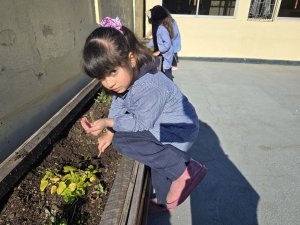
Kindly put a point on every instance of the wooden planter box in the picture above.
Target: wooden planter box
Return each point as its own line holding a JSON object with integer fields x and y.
{"x": 130, "y": 191}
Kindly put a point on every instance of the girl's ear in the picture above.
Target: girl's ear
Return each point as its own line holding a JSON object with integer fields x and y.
{"x": 132, "y": 60}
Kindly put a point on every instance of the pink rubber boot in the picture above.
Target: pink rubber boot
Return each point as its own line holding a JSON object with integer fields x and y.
{"x": 181, "y": 188}
{"x": 185, "y": 184}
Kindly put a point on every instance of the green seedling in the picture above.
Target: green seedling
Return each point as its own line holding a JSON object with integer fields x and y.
{"x": 53, "y": 218}
{"x": 86, "y": 157}
{"x": 103, "y": 97}
{"x": 71, "y": 183}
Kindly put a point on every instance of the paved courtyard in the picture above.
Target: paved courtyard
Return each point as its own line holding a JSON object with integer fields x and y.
{"x": 249, "y": 140}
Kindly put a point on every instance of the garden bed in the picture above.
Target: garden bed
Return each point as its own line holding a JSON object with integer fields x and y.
{"x": 62, "y": 142}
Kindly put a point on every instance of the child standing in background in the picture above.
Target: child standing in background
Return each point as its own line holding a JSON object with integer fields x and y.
{"x": 150, "y": 120}
{"x": 162, "y": 33}
{"x": 176, "y": 40}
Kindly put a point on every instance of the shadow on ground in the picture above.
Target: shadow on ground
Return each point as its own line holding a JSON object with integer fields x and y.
{"x": 224, "y": 197}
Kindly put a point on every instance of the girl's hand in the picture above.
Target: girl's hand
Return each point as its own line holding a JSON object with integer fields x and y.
{"x": 156, "y": 53}
{"x": 104, "y": 141}
{"x": 94, "y": 128}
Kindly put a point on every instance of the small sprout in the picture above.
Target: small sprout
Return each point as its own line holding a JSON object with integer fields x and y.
{"x": 100, "y": 188}
{"x": 53, "y": 189}
{"x": 91, "y": 167}
{"x": 103, "y": 97}
{"x": 52, "y": 215}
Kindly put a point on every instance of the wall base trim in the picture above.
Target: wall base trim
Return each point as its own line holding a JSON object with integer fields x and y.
{"x": 243, "y": 60}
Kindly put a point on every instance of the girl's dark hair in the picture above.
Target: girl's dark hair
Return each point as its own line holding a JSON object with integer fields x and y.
{"x": 160, "y": 15}
{"x": 107, "y": 48}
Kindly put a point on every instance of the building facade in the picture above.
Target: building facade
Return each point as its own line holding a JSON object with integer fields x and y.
{"x": 243, "y": 29}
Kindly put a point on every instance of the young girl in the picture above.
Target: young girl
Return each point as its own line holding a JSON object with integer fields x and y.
{"x": 176, "y": 39}
{"x": 150, "y": 120}
{"x": 162, "y": 33}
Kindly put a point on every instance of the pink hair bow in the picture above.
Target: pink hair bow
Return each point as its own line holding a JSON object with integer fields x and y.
{"x": 110, "y": 22}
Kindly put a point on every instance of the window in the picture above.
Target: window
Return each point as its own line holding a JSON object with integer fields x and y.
{"x": 289, "y": 8}
{"x": 262, "y": 9}
{"x": 201, "y": 7}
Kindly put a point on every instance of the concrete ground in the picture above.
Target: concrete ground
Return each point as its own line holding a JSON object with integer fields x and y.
{"x": 249, "y": 140}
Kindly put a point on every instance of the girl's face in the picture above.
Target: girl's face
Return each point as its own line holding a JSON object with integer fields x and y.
{"x": 118, "y": 80}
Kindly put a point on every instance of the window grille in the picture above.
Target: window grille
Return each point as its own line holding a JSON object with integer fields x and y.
{"x": 262, "y": 9}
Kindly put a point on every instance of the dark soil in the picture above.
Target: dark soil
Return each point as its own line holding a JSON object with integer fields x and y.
{"x": 26, "y": 204}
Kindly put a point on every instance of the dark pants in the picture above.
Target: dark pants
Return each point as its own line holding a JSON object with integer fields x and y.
{"x": 167, "y": 72}
{"x": 167, "y": 163}
{"x": 175, "y": 59}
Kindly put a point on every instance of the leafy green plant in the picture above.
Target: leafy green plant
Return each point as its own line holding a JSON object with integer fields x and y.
{"x": 103, "y": 97}
{"x": 71, "y": 183}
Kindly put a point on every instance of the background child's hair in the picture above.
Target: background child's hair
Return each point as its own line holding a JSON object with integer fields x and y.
{"x": 107, "y": 48}
{"x": 168, "y": 23}
{"x": 160, "y": 15}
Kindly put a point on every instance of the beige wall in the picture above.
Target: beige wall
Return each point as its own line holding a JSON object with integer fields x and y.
{"x": 40, "y": 53}
{"x": 236, "y": 37}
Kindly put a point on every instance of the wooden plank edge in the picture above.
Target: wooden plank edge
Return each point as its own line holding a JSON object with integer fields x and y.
{"x": 117, "y": 204}
{"x": 140, "y": 199}
{"x": 145, "y": 199}
{"x": 129, "y": 195}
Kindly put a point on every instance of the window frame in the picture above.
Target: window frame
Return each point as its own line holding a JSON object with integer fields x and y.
{"x": 284, "y": 17}
{"x": 206, "y": 16}
{"x": 274, "y": 13}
